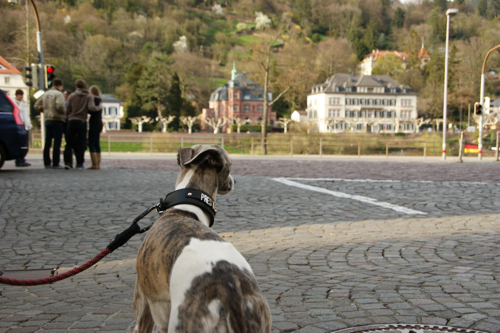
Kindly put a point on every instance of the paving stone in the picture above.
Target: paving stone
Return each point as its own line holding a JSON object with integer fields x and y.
{"x": 320, "y": 271}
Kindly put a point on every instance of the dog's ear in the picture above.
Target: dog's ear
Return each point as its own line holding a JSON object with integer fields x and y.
{"x": 199, "y": 154}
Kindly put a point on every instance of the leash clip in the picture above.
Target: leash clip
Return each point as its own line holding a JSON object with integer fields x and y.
{"x": 146, "y": 212}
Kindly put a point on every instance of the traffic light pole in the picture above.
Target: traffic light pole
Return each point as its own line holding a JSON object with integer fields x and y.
{"x": 40, "y": 68}
{"x": 481, "y": 100}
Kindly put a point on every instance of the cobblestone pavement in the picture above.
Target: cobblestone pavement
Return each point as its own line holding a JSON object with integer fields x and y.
{"x": 324, "y": 262}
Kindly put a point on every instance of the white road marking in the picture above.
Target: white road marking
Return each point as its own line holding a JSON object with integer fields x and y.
{"x": 391, "y": 181}
{"x": 337, "y": 194}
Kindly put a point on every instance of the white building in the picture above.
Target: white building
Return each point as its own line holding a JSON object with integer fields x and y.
{"x": 11, "y": 79}
{"x": 112, "y": 112}
{"x": 362, "y": 103}
{"x": 299, "y": 116}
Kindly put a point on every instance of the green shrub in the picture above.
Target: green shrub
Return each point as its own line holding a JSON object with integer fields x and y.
{"x": 251, "y": 128}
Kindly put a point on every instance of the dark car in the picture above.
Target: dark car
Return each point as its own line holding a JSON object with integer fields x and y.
{"x": 14, "y": 140}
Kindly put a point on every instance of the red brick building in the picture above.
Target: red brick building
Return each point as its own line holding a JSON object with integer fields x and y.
{"x": 240, "y": 98}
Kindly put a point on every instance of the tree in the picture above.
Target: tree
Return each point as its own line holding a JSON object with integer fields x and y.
{"x": 189, "y": 121}
{"x": 442, "y": 5}
{"x": 266, "y": 59}
{"x": 152, "y": 87}
{"x": 140, "y": 120}
{"x": 284, "y": 123}
{"x": 164, "y": 122}
{"x": 175, "y": 100}
{"x": 482, "y": 7}
{"x": 399, "y": 18}
{"x": 216, "y": 124}
{"x": 388, "y": 64}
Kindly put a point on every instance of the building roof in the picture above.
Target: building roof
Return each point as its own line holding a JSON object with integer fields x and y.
{"x": 6, "y": 68}
{"x": 250, "y": 91}
{"x": 495, "y": 103}
{"x": 107, "y": 98}
{"x": 423, "y": 53}
{"x": 341, "y": 83}
{"x": 377, "y": 54}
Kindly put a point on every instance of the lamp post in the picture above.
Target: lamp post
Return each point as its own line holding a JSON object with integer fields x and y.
{"x": 449, "y": 12}
{"x": 481, "y": 101}
{"x": 40, "y": 59}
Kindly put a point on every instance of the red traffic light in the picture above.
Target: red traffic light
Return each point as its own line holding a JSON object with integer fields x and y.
{"x": 50, "y": 70}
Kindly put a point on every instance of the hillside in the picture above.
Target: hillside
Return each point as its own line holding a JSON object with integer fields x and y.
{"x": 135, "y": 50}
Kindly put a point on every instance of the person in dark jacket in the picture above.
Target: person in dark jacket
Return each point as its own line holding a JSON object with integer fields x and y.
{"x": 77, "y": 108}
{"x": 95, "y": 128}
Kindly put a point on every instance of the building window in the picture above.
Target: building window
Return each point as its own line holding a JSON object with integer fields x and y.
{"x": 112, "y": 111}
{"x": 369, "y": 115}
{"x": 235, "y": 95}
{"x": 347, "y": 101}
{"x": 347, "y": 114}
{"x": 259, "y": 108}
{"x": 376, "y": 101}
{"x": 246, "y": 108}
{"x": 235, "y": 108}
{"x": 315, "y": 114}
{"x": 330, "y": 101}
{"x": 247, "y": 96}
{"x": 389, "y": 127}
{"x": 359, "y": 127}
{"x": 353, "y": 114}
{"x": 361, "y": 101}
{"x": 393, "y": 90}
{"x": 354, "y": 101}
{"x": 376, "y": 114}
{"x": 272, "y": 122}
{"x": 382, "y": 114}
{"x": 7, "y": 80}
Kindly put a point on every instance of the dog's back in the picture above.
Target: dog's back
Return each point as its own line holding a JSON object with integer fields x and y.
{"x": 211, "y": 286}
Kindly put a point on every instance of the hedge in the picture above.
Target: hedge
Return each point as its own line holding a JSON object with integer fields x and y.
{"x": 251, "y": 128}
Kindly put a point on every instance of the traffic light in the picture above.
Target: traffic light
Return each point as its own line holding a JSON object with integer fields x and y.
{"x": 32, "y": 76}
{"x": 478, "y": 108}
{"x": 49, "y": 75}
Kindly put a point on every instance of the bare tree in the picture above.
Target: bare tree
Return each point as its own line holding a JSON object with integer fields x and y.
{"x": 419, "y": 122}
{"x": 189, "y": 121}
{"x": 164, "y": 122}
{"x": 239, "y": 121}
{"x": 284, "y": 123}
{"x": 140, "y": 120}
{"x": 267, "y": 64}
{"x": 216, "y": 124}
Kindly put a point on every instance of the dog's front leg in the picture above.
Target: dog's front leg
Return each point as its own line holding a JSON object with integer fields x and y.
{"x": 142, "y": 312}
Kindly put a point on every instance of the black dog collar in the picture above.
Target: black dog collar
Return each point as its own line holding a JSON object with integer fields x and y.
{"x": 189, "y": 196}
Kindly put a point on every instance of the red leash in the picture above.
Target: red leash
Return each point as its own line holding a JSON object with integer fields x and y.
{"x": 52, "y": 279}
{"x": 119, "y": 240}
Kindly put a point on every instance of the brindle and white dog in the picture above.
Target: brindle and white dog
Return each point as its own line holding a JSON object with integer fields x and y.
{"x": 188, "y": 278}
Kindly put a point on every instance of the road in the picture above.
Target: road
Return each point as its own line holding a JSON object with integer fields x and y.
{"x": 333, "y": 243}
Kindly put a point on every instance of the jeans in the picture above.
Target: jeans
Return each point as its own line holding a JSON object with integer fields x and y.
{"x": 94, "y": 141}
{"x": 54, "y": 129}
{"x": 76, "y": 141}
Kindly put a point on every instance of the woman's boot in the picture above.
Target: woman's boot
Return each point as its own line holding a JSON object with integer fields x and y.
{"x": 93, "y": 157}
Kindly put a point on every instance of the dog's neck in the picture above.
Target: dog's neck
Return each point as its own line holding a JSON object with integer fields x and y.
{"x": 201, "y": 180}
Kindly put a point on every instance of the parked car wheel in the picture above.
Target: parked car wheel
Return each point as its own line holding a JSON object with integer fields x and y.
{"x": 2, "y": 156}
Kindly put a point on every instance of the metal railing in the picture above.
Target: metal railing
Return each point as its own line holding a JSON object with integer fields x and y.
{"x": 277, "y": 144}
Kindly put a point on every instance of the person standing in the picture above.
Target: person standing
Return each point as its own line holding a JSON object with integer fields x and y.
{"x": 77, "y": 108}
{"x": 25, "y": 117}
{"x": 95, "y": 128}
{"x": 66, "y": 94}
{"x": 52, "y": 105}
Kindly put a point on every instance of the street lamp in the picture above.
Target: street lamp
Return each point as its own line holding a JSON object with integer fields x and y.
{"x": 449, "y": 12}
{"x": 40, "y": 57}
{"x": 481, "y": 101}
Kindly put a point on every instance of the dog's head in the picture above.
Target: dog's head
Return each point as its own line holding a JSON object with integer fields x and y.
{"x": 205, "y": 167}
